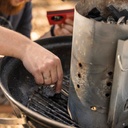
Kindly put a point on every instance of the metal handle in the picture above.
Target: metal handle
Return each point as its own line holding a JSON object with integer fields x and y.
{"x": 120, "y": 64}
{"x": 13, "y": 121}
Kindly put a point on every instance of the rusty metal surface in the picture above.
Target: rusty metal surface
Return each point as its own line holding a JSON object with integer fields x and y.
{"x": 118, "y": 110}
{"x": 92, "y": 67}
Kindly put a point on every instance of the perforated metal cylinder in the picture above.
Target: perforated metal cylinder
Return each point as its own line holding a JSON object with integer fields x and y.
{"x": 92, "y": 66}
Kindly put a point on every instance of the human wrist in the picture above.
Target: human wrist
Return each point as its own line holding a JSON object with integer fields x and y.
{"x": 24, "y": 49}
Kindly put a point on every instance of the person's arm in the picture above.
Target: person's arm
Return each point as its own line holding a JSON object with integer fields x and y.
{"x": 41, "y": 63}
{"x": 65, "y": 29}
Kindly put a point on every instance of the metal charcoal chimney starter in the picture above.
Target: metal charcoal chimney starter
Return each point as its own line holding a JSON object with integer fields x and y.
{"x": 96, "y": 97}
{"x": 93, "y": 55}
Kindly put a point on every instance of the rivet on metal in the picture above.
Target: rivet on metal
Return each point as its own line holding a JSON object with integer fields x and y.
{"x": 93, "y": 108}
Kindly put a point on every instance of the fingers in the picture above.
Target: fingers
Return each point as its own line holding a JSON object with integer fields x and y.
{"x": 55, "y": 77}
{"x": 68, "y": 25}
{"x": 47, "y": 77}
{"x": 44, "y": 66}
{"x": 64, "y": 29}
{"x": 50, "y": 75}
{"x": 60, "y": 79}
{"x": 38, "y": 78}
{"x": 69, "y": 21}
{"x": 67, "y": 29}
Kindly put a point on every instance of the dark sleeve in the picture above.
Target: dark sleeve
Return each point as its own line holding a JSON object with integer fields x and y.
{"x": 25, "y": 25}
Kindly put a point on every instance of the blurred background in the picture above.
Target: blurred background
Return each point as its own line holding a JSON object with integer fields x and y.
{"x": 40, "y": 8}
{"x": 40, "y": 26}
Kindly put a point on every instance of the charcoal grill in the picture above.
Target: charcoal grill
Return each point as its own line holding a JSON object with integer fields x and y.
{"x": 37, "y": 105}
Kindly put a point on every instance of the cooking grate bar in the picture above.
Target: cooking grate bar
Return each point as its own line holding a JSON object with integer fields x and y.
{"x": 66, "y": 84}
{"x": 49, "y": 110}
{"x": 52, "y": 107}
{"x": 62, "y": 105}
{"x": 50, "y": 114}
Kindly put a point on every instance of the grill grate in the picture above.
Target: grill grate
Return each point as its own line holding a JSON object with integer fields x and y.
{"x": 53, "y": 106}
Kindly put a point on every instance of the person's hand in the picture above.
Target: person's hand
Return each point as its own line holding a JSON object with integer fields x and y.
{"x": 64, "y": 29}
{"x": 43, "y": 65}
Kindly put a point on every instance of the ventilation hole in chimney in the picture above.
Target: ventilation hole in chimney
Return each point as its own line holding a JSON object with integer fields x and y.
{"x": 78, "y": 86}
{"x": 107, "y": 94}
{"x": 109, "y": 84}
{"x": 126, "y": 105}
{"x": 80, "y": 65}
{"x": 93, "y": 108}
{"x": 110, "y": 73}
{"x": 79, "y": 75}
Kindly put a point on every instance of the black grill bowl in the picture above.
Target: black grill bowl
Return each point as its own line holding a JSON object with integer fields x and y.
{"x": 19, "y": 86}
